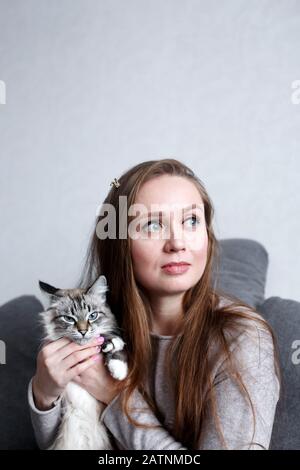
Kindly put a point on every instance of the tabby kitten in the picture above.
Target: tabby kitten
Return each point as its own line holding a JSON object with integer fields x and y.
{"x": 81, "y": 315}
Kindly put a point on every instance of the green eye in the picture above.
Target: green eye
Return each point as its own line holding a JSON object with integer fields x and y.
{"x": 93, "y": 316}
{"x": 68, "y": 319}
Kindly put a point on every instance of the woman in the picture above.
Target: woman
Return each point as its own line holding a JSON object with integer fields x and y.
{"x": 203, "y": 366}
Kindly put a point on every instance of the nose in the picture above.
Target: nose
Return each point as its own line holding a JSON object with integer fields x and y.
{"x": 175, "y": 241}
{"x": 172, "y": 246}
{"x": 82, "y": 327}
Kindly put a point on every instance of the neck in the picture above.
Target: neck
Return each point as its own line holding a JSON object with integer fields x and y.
{"x": 167, "y": 314}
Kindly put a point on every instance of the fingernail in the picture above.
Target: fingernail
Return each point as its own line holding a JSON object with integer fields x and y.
{"x": 100, "y": 340}
{"x": 98, "y": 348}
{"x": 96, "y": 358}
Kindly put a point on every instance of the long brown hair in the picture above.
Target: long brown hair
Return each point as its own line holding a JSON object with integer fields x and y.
{"x": 205, "y": 321}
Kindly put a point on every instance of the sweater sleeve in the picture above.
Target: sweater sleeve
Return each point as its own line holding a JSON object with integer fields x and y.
{"x": 254, "y": 356}
{"x": 45, "y": 423}
{"x": 131, "y": 437}
{"x": 255, "y": 360}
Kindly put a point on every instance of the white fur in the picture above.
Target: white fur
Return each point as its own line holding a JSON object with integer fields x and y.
{"x": 80, "y": 428}
{"x": 117, "y": 368}
{"x": 117, "y": 344}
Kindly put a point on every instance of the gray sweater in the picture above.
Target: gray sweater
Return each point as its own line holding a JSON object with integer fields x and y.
{"x": 252, "y": 348}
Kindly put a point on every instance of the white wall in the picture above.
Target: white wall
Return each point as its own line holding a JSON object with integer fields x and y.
{"x": 94, "y": 87}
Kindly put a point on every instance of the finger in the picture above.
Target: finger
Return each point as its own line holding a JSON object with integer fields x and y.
{"x": 79, "y": 356}
{"x": 72, "y": 347}
{"x": 80, "y": 368}
{"x": 53, "y": 346}
{"x": 77, "y": 379}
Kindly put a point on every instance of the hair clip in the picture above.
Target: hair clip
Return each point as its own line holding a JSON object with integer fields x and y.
{"x": 115, "y": 182}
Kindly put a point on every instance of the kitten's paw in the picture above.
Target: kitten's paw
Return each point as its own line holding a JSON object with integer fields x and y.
{"x": 107, "y": 347}
{"x": 118, "y": 369}
{"x": 118, "y": 343}
{"x": 115, "y": 344}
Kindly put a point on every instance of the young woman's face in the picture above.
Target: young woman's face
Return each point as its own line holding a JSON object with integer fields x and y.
{"x": 173, "y": 235}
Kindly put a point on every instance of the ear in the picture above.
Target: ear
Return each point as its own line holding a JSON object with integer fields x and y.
{"x": 52, "y": 292}
{"x": 99, "y": 287}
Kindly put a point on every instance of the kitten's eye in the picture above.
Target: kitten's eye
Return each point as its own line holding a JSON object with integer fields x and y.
{"x": 93, "y": 316}
{"x": 67, "y": 319}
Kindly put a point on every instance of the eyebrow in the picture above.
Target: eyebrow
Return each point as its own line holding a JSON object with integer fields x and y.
{"x": 187, "y": 208}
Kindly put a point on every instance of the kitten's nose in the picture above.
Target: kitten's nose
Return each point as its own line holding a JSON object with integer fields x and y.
{"x": 82, "y": 327}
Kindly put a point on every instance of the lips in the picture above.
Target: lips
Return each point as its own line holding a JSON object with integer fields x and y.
{"x": 182, "y": 263}
{"x": 176, "y": 268}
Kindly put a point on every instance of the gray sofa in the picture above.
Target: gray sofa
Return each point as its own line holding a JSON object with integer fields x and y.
{"x": 243, "y": 271}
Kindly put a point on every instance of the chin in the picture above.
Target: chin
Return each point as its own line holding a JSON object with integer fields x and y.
{"x": 176, "y": 282}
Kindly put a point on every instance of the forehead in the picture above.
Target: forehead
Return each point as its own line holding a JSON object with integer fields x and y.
{"x": 168, "y": 191}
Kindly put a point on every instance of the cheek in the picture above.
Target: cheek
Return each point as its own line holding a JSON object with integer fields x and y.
{"x": 143, "y": 256}
{"x": 142, "y": 253}
{"x": 198, "y": 247}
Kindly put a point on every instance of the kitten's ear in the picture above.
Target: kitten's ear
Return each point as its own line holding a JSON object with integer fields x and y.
{"x": 99, "y": 287}
{"x": 52, "y": 292}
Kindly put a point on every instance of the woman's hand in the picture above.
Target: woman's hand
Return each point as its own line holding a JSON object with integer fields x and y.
{"x": 98, "y": 382}
{"x": 59, "y": 362}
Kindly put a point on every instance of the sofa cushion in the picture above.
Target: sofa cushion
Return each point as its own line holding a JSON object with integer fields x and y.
{"x": 284, "y": 316}
{"x": 20, "y": 331}
{"x": 243, "y": 265}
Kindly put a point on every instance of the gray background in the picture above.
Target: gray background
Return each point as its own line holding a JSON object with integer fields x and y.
{"x": 94, "y": 87}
